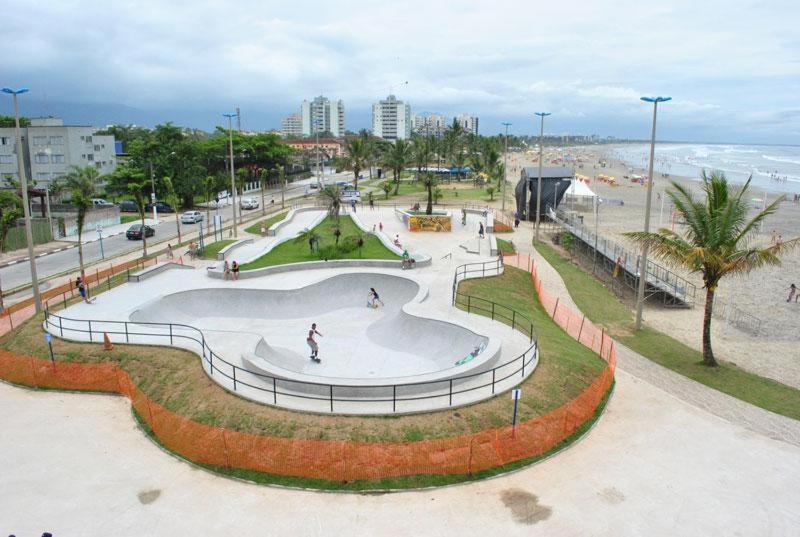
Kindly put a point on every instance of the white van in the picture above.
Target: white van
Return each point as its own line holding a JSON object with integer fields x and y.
{"x": 249, "y": 203}
{"x": 101, "y": 202}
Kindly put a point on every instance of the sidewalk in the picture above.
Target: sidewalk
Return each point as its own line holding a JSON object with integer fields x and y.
{"x": 90, "y": 235}
{"x": 712, "y": 401}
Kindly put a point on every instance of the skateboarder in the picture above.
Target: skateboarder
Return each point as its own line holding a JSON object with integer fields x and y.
{"x": 313, "y": 343}
{"x": 374, "y": 299}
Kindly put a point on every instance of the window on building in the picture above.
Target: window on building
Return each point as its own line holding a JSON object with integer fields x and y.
{"x": 40, "y": 140}
{"x": 42, "y": 176}
{"x": 41, "y": 158}
{"x": 6, "y": 159}
{"x": 88, "y": 139}
{"x": 5, "y": 140}
{"x": 56, "y": 140}
{"x": 90, "y": 157}
{"x": 57, "y": 159}
{"x": 83, "y": 157}
{"x": 97, "y": 148}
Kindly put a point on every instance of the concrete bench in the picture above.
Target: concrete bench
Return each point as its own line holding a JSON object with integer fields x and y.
{"x": 149, "y": 272}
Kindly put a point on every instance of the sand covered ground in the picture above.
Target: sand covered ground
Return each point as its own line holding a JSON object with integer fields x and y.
{"x": 775, "y": 351}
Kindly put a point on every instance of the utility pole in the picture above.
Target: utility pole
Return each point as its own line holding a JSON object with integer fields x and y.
{"x": 238, "y": 120}
{"x": 233, "y": 174}
{"x": 25, "y": 207}
{"x": 539, "y": 183}
{"x": 642, "y": 269}
{"x": 505, "y": 171}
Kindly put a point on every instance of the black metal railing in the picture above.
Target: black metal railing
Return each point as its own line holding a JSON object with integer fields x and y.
{"x": 476, "y": 270}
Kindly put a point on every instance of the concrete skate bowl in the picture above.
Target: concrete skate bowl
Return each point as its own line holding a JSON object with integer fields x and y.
{"x": 392, "y": 359}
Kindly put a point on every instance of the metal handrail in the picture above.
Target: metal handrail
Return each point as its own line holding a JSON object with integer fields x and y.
{"x": 56, "y": 323}
{"x": 462, "y": 272}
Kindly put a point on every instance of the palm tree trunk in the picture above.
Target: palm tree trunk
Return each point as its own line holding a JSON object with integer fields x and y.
{"x": 429, "y": 208}
{"x": 708, "y": 354}
{"x": 355, "y": 177}
{"x": 178, "y": 223}
{"x": 80, "y": 261}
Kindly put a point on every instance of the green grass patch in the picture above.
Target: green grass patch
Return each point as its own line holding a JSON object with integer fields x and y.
{"x": 604, "y": 309}
{"x": 506, "y": 247}
{"x": 128, "y": 218}
{"x": 255, "y": 229}
{"x": 211, "y": 250}
{"x": 296, "y": 251}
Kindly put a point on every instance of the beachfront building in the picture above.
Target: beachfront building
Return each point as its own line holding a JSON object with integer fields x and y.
{"x": 292, "y": 125}
{"x": 391, "y": 119}
{"x": 427, "y": 124}
{"x": 321, "y": 115}
{"x": 329, "y": 148}
{"x": 50, "y": 148}
{"x": 555, "y": 182}
{"x": 468, "y": 123}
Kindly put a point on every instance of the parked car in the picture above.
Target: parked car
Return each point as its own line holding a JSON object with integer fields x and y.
{"x": 313, "y": 188}
{"x": 248, "y": 203}
{"x": 160, "y": 206}
{"x": 101, "y": 202}
{"x": 128, "y": 206}
{"x": 135, "y": 232}
{"x": 191, "y": 217}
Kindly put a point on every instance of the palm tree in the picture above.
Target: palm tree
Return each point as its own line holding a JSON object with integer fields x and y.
{"x": 308, "y": 235}
{"x": 430, "y": 183}
{"x": 356, "y": 156}
{"x": 717, "y": 241}
{"x": 332, "y": 196}
{"x": 387, "y": 188}
{"x": 81, "y": 184}
{"x": 396, "y": 158}
{"x": 172, "y": 199}
{"x": 138, "y": 191}
{"x": 420, "y": 154}
{"x": 337, "y": 232}
{"x": 209, "y": 190}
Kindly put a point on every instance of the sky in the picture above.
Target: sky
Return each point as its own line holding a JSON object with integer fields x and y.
{"x": 732, "y": 68}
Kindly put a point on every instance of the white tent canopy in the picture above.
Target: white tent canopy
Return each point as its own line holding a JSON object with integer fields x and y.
{"x": 579, "y": 189}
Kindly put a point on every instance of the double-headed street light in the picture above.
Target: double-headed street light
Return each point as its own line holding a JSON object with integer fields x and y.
{"x": 233, "y": 176}
{"x": 642, "y": 269}
{"x": 539, "y": 183}
{"x": 24, "y": 183}
{"x": 505, "y": 170}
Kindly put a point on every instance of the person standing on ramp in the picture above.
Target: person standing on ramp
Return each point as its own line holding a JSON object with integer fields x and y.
{"x": 313, "y": 343}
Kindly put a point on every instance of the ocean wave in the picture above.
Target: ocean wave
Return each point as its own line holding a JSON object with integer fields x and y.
{"x": 786, "y": 160}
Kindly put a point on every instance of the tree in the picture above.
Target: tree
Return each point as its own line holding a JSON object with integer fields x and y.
{"x": 332, "y": 196}
{"x": 8, "y": 122}
{"x": 717, "y": 241}
{"x": 356, "y": 156}
{"x": 386, "y": 187}
{"x": 310, "y": 236}
{"x": 420, "y": 154}
{"x": 430, "y": 183}
{"x": 139, "y": 193}
{"x": 337, "y": 232}
{"x": 172, "y": 198}
{"x": 437, "y": 195}
{"x": 263, "y": 177}
{"x": 396, "y": 158}
{"x": 133, "y": 182}
{"x": 81, "y": 184}
{"x": 10, "y": 210}
{"x": 490, "y": 191}
{"x": 210, "y": 189}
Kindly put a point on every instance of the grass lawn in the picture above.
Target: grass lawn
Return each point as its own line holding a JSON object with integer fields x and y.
{"x": 506, "y": 247}
{"x": 211, "y": 250}
{"x": 452, "y": 192}
{"x": 298, "y": 251}
{"x": 256, "y": 228}
{"x": 128, "y": 218}
{"x": 604, "y": 309}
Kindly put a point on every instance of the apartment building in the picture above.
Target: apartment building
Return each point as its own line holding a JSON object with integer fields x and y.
{"x": 50, "y": 148}
{"x": 391, "y": 119}
{"x": 427, "y": 124}
{"x": 292, "y": 125}
{"x": 469, "y": 123}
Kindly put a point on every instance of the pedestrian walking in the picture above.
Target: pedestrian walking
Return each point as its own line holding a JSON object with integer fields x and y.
{"x": 353, "y": 205}
{"x": 516, "y": 221}
{"x": 480, "y": 229}
{"x": 226, "y": 270}
{"x": 380, "y": 226}
{"x": 312, "y": 343}
{"x": 792, "y": 293}
{"x": 81, "y": 285}
{"x": 235, "y": 270}
{"x": 169, "y": 251}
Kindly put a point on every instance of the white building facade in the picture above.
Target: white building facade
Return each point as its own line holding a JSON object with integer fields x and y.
{"x": 391, "y": 119}
{"x": 428, "y": 124}
{"x": 322, "y": 115}
{"x": 469, "y": 123}
{"x": 292, "y": 125}
{"x": 50, "y": 148}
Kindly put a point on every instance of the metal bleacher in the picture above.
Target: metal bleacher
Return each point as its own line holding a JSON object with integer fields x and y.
{"x": 660, "y": 282}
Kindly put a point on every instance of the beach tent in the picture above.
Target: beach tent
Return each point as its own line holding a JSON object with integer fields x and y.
{"x": 579, "y": 189}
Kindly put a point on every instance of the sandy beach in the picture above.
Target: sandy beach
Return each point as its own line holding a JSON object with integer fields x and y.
{"x": 775, "y": 351}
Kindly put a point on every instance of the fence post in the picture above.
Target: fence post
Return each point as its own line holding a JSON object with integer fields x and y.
{"x": 126, "y": 332}
{"x": 493, "y": 311}
{"x": 274, "y": 391}
{"x": 602, "y": 340}
{"x": 90, "y": 331}
{"x": 469, "y": 302}
{"x": 513, "y": 319}
{"x": 60, "y": 327}
{"x": 170, "y": 342}
{"x": 556, "y": 308}
{"x": 451, "y": 392}
{"x": 580, "y": 331}
{"x": 234, "y": 378}
{"x": 331, "y": 395}
{"x": 493, "y": 374}
{"x": 394, "y": 397}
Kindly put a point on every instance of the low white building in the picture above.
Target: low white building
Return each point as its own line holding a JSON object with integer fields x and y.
{"x": 50, "y": 148}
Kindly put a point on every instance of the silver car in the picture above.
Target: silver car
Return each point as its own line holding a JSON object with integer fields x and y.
{"x": 191, "y": 217}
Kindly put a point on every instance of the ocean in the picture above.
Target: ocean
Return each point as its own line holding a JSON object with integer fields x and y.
{"x": 773, "y": 167}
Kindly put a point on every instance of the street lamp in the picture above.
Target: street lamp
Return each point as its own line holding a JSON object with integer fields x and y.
{"x": 505, "y": 170}
{"x": 539, "y": 183}
{"x": 233, "y": 177}
{"x": 643, "y": 258}
{"x": 153, "y": 194}
{"x": 24, "y": 183}
{"x": 49, "y": 153}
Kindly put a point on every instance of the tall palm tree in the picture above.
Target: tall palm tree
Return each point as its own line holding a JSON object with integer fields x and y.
{"x": 172, "y": 199}
{"x": 332, "y": 196}
{"x": 396, "y": 158}
{"x": 430, "y": 183}
{"x": 81, "y": 184}
{"x": 717, "y": 241}
{"x": 209, "y": 190}
{"x": 356, "y": 156}
{"x": 420, "y": 154}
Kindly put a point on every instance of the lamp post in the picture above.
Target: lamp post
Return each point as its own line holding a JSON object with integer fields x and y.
{"x": 24, "y": 183}
{"x": 505, "y": 170}
{"x": 233, "y": 176}
{"x": 49, "y": 153}
{"x": 153, "y": 194}
{"x": 539, "y": 183}
{"x": 642, "y": 269}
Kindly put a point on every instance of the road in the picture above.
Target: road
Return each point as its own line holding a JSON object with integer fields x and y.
{"x": 57, "y": 263}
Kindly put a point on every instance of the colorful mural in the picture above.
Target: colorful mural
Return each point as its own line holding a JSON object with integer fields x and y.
{"x": 429, "y": 223}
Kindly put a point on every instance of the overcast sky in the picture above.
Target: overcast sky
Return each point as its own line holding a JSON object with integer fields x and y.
{"x": 732, "y": 68}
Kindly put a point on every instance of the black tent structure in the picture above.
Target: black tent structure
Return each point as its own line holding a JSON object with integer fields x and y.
{"x": 555, "y": 182}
